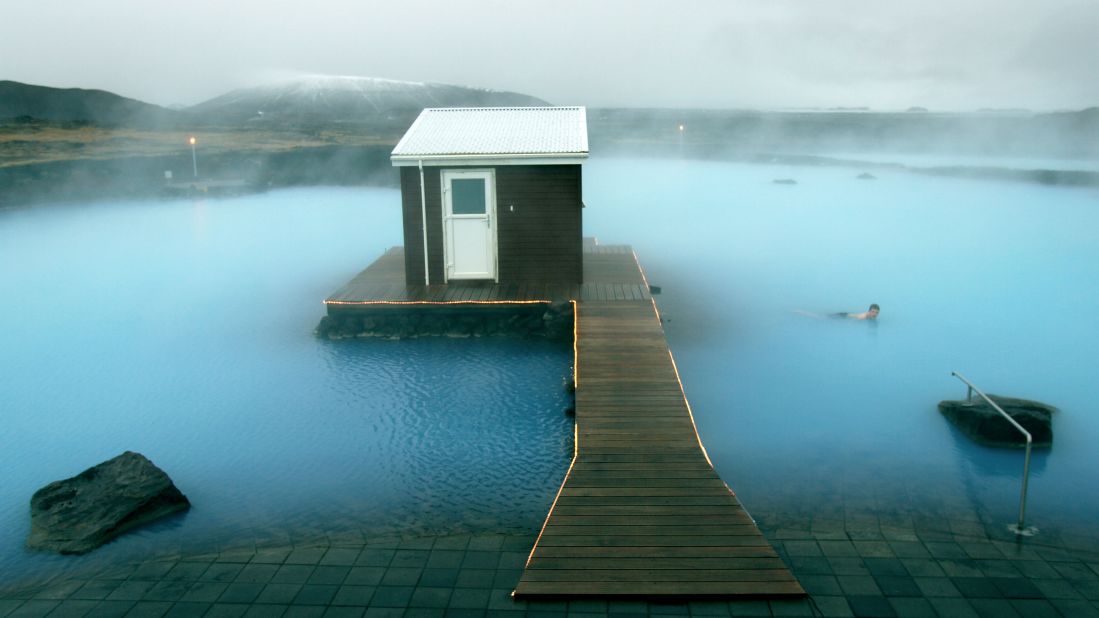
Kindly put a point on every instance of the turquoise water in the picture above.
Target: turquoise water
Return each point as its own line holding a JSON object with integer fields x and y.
{"x": 836, "y": 419}
{"x": 183, "y": 330}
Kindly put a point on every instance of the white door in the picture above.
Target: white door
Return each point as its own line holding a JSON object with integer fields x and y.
{"x": 469, "y": 206}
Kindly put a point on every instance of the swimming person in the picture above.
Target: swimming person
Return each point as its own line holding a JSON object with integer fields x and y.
{"x": 869, "y": 314}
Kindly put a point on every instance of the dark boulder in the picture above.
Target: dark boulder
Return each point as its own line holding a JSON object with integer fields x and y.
{"x": 77, "y": 515}
{"x": 983, "y": 424}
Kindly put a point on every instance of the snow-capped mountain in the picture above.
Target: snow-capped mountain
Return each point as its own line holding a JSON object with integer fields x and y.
{"x": 330, "y": 98}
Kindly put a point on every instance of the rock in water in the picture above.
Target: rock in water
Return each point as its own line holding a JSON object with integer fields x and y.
{"x": 983, "y": 424}
{"x": 76, "y": 515}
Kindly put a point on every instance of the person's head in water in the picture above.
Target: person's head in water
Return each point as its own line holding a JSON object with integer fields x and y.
{"x": 870, "y": 314}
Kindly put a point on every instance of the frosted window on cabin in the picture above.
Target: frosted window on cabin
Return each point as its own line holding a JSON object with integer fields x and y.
{"x": 467, "y": 196}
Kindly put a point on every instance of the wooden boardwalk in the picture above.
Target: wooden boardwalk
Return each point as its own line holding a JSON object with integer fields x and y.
{"x": 641, "y": 512}
{"x": 610, "y": 273}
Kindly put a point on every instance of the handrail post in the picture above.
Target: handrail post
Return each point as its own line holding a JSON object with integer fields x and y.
{"x": 1020, "y": 527}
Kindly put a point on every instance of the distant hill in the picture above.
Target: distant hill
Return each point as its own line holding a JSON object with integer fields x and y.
{"x": 338, "y": 99}
{"x": 79, "y": 105}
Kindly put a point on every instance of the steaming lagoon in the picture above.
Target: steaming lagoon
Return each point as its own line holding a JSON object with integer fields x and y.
{"x": 183, "y": 330}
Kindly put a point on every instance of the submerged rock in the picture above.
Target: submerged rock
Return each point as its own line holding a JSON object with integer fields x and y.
{"x": 785, "y": 181}
{"x": 866, "y": 176}
{"x": 76, "y": 515}
{"x": 983, "y": 424}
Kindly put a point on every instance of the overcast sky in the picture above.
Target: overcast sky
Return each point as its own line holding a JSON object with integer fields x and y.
{"x": 884, "y": 54}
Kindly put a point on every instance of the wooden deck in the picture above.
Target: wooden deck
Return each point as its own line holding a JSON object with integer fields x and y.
{"x": 641, "y": 513}
{"x": 610, "y": 273}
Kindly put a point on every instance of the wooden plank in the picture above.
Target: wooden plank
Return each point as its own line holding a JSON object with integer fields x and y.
{"x": 658, "y": 575}
{"x": 647, "y": 552}
{"x": 675, "y": 590}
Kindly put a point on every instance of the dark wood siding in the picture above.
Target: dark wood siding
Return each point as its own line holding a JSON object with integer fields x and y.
{"x": 539, "y": 223}
{"x": 413, "y": 226}
{"x": 538, "y": 233}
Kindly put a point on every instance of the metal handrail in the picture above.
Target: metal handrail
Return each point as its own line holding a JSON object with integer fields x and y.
{"x": 1020, "y": 527}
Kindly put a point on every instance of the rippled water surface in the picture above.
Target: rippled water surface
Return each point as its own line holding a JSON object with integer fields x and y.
{"x": 183, "y": 330}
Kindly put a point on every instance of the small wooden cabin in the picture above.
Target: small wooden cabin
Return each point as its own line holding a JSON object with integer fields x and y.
{"x": 500, "y": 192}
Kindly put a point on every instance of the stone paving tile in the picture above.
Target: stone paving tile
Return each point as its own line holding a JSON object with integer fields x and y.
{"x": 256, "y": 573}
{"x": 315, "y": 594}
{"x": 330, "y": 575}
{"x": 222, "y": 572}
{"x": 922, "y": 567}
{"x": 131, "y": 590}
{"x": 834, "y": 549}
{"x": 149, "y": 609}
{"x": 282, "y": 594}
{"x": 475, "y": 578}
{"x": 993, "y": 608}
{"x": 306, "y": 555}
{"x": 353, "y": 595}
{"x": 240, "y": 593}
{"x": 1035, "y": 608}
{"x": 220, "y": 610}
{"x": 861, "y": 585}
{"x": 364, "y": 576}
{"x": 791, "y": 608}
{"x": 34, "y": 608}
{"x": 107, "y": 609}
{"x": 430, "y": 597}
{"x": 937, "y": 587}
{"x": 292, "y": 574}
{"x": 832, "y": 606}
{"x": 341, "y": 556}
{"x": 410, "y": 558}
{"x": 402, "y": 576}
{"x": 749, "y": 608}
{"x": 885, "y": 566}
{"x": 187, "y": 571}
{"x": 59, "y": 591}
{"x": 909, "y": 549}
{"x": 848, "y": 566}
{"x": 952, "y": 607}
{"x": 824, "y": 585}
{"x": 898, "y": 586}
{"x": 70, "y": 609}
{"x": 876, "y": 606}
{"x": 271, "y": 555}
{"x": 444, "y": 559}
{"x": 96, "y": 589}
{"x": 167, "y": 590}
{"x": 373, "y": 556}
{"x": 344, "y": 612}
{"x": 204, "y": 592}
{"x": 1076, "y": 608}
{"x": 153, "y": 570}
{"x": 469, "y": 598}
{"x": 912, "y": 608}
{"x": 392, "y": 596}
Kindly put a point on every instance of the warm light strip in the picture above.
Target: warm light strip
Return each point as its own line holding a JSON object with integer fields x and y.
{"x": 675, "y": 368}
{"x": 575, "y": 430}
{"x": 437, "y": 302}
{"x": 575, "y": 346}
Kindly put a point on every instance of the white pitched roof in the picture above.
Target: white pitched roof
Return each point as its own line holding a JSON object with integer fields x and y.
{"x": 472, "y": 135}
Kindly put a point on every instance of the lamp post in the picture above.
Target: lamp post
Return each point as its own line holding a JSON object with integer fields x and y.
{"x": 194, "y": 157}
